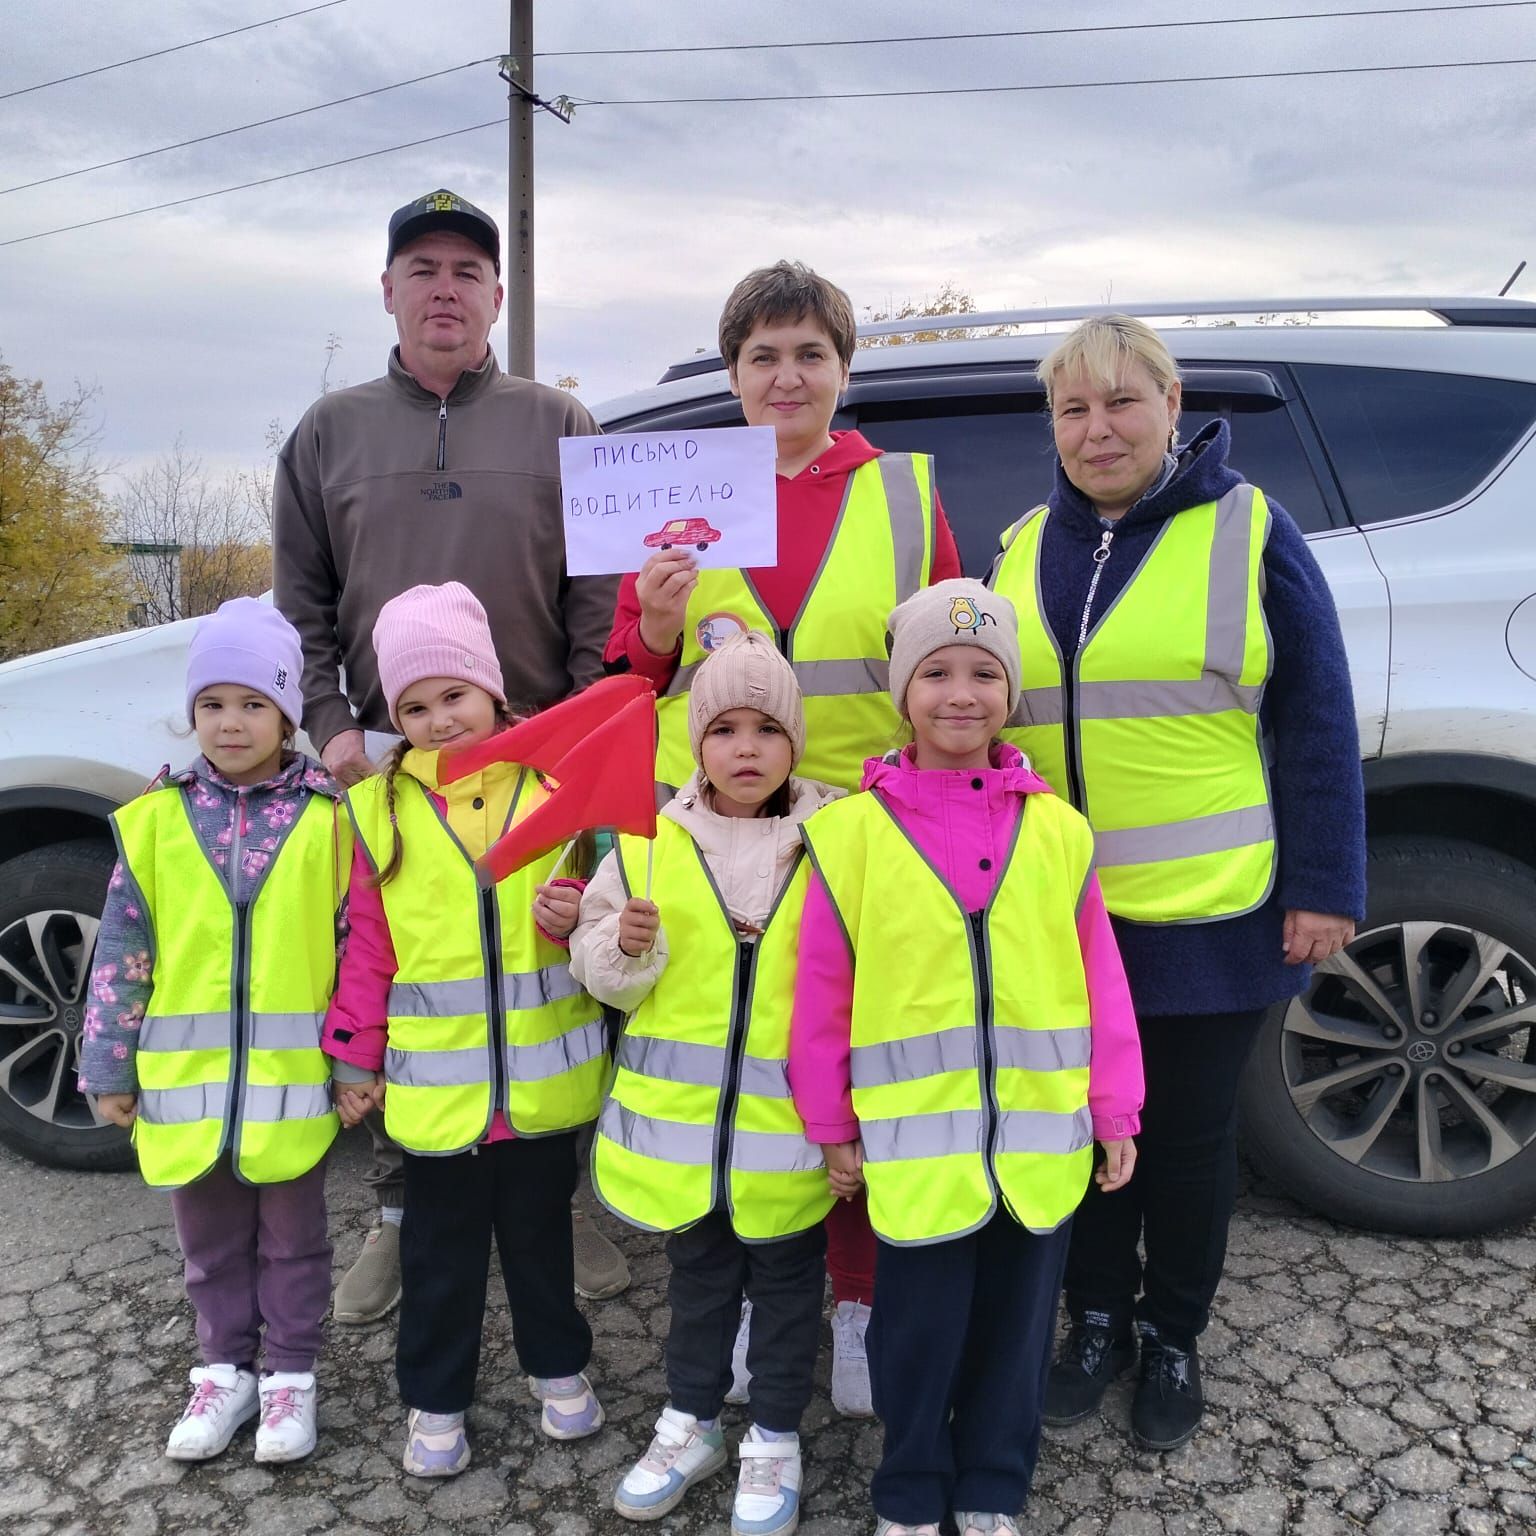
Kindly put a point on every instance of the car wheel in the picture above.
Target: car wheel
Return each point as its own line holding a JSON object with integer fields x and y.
{"x": 703, "y": 546}
{"x": 50, "y": 909}
{"x": 1399, "y": 1092}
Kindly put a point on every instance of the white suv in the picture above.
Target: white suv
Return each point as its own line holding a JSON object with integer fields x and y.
{"x": 1400, "y": 1093}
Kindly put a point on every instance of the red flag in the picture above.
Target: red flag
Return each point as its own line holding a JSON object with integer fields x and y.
{"x": 608, "y": 779}
{"x": 543, "y": 739}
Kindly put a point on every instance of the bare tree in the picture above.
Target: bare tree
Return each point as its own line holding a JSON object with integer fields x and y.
{"x": 949, "y": 300}
{"x": 192, "y": 542}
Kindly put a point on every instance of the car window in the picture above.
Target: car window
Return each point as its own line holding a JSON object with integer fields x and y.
{"x": 993, "y": 460}
{"x": 1267, "y": 452}
{"x": 1404, "y": 442}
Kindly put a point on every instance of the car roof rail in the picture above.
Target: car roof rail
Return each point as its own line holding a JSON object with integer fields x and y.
{"x": 1450, "y": 311}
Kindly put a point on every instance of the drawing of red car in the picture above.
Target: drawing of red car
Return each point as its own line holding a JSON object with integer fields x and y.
{"x": 683, "y": 530}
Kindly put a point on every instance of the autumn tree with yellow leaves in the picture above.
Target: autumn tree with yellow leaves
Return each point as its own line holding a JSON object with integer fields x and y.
{"x": 58, "y": 580}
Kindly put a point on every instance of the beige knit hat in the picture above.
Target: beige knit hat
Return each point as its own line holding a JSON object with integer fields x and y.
{"x": 957, "y": 612}
{"x": 747, "y": 672}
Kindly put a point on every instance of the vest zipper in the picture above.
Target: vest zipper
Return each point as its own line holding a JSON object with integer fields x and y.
{"x": 736, "y": 1046}
{"x": 239, "y": 988}
{"x": 982, "y": 960}
{"x": 1074, "y": 766}
{"x": 442, "y": 434}
{"x": 492, "y": 945}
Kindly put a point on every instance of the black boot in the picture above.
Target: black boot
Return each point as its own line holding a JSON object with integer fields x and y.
{"x": 1090, "y": 1359}
{"x": 1168, "y": 1403}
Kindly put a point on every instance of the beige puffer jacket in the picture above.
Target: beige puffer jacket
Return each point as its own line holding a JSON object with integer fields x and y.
{"x": 749, "y": 859}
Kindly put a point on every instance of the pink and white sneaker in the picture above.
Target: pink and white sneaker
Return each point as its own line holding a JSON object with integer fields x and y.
{"x": 223, "y": 1398}
{"x": 286, "y": 1429}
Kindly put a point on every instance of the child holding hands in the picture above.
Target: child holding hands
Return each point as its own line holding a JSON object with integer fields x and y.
{"x": 962, "y": 1034}
{"x": 456, "y": 1011}
{"x": 698, "y": 1137}
{"x": 214, "y": 962}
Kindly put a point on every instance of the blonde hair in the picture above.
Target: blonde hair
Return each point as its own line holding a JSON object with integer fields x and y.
{"x": 1103, "y": 347}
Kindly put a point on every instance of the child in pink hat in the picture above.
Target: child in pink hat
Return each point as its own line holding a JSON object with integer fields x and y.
{"x": 456, "y": 1013}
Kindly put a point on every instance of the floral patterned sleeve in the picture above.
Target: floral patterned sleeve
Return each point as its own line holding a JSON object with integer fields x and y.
{"x": 121, "y": 983}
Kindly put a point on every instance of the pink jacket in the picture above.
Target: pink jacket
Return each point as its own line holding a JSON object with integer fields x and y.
{"x": 964, "y": 823}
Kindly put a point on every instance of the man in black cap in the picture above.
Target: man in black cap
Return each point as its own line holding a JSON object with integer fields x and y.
{"x": 444, "y": 469}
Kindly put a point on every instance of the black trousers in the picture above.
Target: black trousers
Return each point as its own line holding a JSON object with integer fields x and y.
{"x": 712, "y": 1269}
{"x": 959, "y": 1344}
{"x": 1179, "y": 1201}
{"x": 521, "y": 1191}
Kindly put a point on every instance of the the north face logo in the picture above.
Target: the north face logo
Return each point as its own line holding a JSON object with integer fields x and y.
{"x": 442, "y": 490}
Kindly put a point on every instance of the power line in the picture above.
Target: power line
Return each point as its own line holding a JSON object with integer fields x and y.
{"x": 498, "y": 122}
{"x": 160, "y": 53}
{"x": 954, "y": 37}
{"x": 224, "y": 133}
{"x": 265, "y": 181}
{"x": 1065, "y": 85}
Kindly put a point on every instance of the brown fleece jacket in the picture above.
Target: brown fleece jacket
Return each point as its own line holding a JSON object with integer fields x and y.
{"x": 384, "y": 486}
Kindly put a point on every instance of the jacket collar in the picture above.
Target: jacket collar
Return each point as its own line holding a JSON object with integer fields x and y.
{"x": 900, "y": 780}
{"x": 712, "y": 831}
{"x": 297, "y": 773}
{"x": 472, "y": 382}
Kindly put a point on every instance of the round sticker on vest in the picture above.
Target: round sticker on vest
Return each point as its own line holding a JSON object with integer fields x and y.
{"x": 714, "y": 629}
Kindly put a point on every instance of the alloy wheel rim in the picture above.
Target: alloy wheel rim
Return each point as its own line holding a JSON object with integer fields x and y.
{"x": 1413, "y": 1054}
{"x": 45, "y": 966}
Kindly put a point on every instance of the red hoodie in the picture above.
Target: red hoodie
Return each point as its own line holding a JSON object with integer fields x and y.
{"x": 808, "y": 508}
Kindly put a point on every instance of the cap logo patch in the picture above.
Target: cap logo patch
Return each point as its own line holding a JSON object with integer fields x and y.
{"x": 469, "y": 661}
{"x": 441, "y": 202}
{"x": 280, "y": 679}
{"x": 967, "y": 617}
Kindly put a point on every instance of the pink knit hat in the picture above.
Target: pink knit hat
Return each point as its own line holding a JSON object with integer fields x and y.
{"x": 435, "y": 632}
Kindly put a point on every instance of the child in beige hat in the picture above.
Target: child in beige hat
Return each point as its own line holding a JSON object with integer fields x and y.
{"x": 698, "y": 1137}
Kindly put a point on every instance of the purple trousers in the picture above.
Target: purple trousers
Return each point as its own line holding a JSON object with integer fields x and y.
{"x": 256, "y": 1254}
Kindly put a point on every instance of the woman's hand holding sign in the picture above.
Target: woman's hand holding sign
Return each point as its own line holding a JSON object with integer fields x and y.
{"x": 664, "y": 585}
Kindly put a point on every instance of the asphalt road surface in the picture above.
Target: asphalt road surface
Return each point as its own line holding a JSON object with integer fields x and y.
{"x": 1355, "y": 1384}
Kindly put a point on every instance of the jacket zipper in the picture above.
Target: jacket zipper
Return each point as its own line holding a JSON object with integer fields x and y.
{"x": 736, "y": 1047}
{"x": 492, "y": 933}
{"x": 238, "y": 1000}
{"x": 1069, "y": 712}
{"x": 442, "y": 434}
{"x": 983, "y": 962}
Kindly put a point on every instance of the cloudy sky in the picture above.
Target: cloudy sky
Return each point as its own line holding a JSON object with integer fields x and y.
{"x": 211, "y": 319}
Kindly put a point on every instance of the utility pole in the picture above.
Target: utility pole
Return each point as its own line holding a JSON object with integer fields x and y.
{"x": 518, "y": 264}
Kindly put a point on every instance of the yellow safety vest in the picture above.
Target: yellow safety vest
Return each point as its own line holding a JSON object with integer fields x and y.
{"x": 971, "y": 1033}
{"x": 483, "y": 1012}
{"x": 880, "y": 553}
{"x": 229, "y": 1050}
{"x": 1155, "y": 735}
{"x": 700, "y": 1094}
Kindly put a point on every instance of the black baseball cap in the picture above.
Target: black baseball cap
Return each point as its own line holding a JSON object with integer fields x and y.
{"x": 444, "y": 210}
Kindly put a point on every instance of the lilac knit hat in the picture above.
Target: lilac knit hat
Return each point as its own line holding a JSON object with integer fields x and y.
{"x": 435, "y": 632}
{"x": 251, "y": 644}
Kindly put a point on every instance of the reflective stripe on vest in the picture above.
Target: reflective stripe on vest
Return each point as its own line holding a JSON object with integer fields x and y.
{"x": 229, "y": 1050}
{"x": 879, "y": 554}
{"x": 970, "y": 1062}
{"x": 1156, "y": 735}
{"x": 700, "y": 1086}
{"x": 483, "y": 1012}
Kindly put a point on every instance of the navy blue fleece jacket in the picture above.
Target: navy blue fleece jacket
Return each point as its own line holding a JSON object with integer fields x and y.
{"x": 1308, "y": 713}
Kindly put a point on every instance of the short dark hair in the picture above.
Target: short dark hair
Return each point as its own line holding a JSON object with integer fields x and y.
{"x": 786, "y": 291}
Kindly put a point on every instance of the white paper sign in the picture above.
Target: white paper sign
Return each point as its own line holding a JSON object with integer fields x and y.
{"x": 709, "y": 492}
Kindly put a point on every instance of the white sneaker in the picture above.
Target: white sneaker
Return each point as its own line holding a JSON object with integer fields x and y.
{"x": 741, "y": 1377}
{"x": 679, "y": 1456}
{"x": 850, "y": 1365}
{"x": 768, "y": 1490}
{"x": 985, "y": 1525}
{"x": 286, "y": 1429}
{"x": 223, "y": 1398}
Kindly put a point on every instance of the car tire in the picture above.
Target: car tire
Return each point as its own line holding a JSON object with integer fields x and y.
{"x": 50, "y": 904}
{"x": 1394, "y": 1094}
